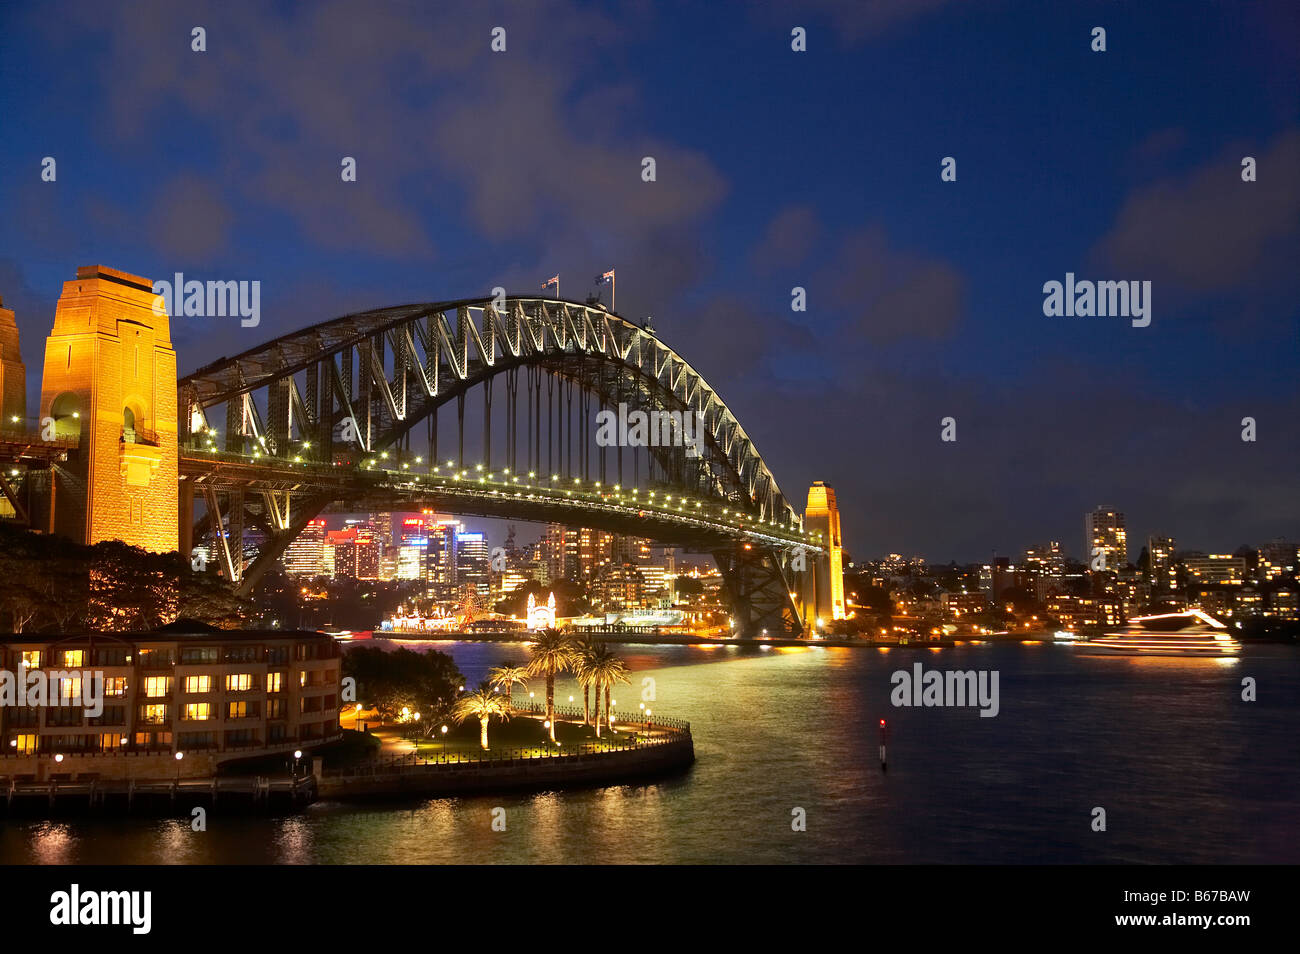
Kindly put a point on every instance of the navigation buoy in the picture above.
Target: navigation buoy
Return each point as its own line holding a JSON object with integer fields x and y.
{"x": 884, "y": 762}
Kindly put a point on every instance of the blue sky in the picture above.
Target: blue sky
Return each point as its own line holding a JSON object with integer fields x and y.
{"x": 775, "y": 169}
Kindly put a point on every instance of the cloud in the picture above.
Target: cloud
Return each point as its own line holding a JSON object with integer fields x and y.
{"x": 788, "y": 239}
{"x": 1209, "y": 231}
{"x": 190, "y": 219}
{"x": 445, "y": 132}
{"x": 853, "y": 21}
{"x": 891, "y": 294}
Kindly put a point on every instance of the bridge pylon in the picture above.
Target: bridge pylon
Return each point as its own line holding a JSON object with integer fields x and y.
{"x": 109, "y": 383}
{"x": 823, "y": 584}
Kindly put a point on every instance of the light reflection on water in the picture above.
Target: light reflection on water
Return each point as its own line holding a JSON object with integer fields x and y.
{"x": 1186, "y": 771}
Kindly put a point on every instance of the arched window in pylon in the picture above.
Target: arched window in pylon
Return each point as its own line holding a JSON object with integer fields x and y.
{"x": 128, "y": 425}
{"x": 66, "y": 412}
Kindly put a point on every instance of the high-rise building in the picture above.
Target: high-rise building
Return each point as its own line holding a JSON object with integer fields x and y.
{"x": 1045, "y": 561}
{"x": 367, "y": 550}
{"x": 1104, "y": 535}
{"x": 576, "y": 553}
{"x": 344, "y": 543}
{"x": 412, "y": 548}
{"x": 1162, "y": 571}
{"x": 472, "y": 564}
{"x": 619, "y": 587}
{"x": 441, "y": 555}
{"x": 306, "y": 555}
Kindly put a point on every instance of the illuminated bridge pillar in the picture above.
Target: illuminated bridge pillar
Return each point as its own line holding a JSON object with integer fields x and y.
{"x": 13, "y": 375}
{"x": 823, "y": 594}
{"x": 110, "y": 384}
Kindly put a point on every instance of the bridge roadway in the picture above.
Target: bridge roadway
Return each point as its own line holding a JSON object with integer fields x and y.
{"x": 661, "y": 515}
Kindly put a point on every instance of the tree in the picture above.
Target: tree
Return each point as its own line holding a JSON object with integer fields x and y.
{"x": 424, "y": 682}
{"x": 607, "y": 670}
{"x": 584, "y": 651}
{"x": 481, "y": 704}
{"x": 509, "y": 677}
{"x": 552, "y": 653}
{"x": 49, "y": 583}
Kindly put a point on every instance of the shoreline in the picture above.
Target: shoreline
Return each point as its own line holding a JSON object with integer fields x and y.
{"x": 834, "y": 642}
{"x": 673, "y": 639}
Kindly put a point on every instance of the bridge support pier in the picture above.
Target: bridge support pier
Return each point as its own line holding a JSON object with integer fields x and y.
{"x": 762, "y": 598}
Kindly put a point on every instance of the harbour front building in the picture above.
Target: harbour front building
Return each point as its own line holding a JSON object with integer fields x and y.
{"x": 172, "y": 703}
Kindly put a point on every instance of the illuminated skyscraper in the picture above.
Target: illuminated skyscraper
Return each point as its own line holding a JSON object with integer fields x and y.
{"x": 307, "y": 554}
{"x": 1104, "y": 533}
{"x": 472, "y": 561}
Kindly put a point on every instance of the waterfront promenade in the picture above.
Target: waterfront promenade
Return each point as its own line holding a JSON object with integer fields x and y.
{"x": 636, "y": 750}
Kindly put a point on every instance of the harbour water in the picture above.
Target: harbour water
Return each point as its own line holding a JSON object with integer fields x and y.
{"x": 1185, "y": 770}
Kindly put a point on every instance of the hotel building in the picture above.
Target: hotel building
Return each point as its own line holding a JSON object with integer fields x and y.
{"x": 177, "y": 702}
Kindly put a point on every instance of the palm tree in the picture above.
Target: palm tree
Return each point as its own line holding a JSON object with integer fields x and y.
{"x": 482, "y": 705}
{"x": 509, "y": 677}
{"x": 585, "y": 650}
{"x": 552, "y": 653}
{"x": 607, "y": 670}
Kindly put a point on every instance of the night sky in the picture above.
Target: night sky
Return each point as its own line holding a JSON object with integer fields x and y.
{"x": 775, "y": 169}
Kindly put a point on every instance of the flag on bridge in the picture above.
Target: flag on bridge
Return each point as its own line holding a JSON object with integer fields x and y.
{"x": 608, "y": 277}
{"x": 553, "y": 280}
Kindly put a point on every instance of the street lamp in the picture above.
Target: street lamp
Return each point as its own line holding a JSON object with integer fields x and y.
{"x": 179, "y": 756}
{"x": 297, "y": 754}
{"x": 444, "y": 741}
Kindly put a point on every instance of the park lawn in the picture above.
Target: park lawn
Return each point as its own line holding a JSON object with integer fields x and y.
{"x": 521, "y": 732}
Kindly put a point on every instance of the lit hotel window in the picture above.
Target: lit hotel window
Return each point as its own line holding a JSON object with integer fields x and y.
{"x": 239, "y": 682}
{"x": 198, "y": 711}
{"x": 73, "y": 657}
{"x": 32, "y": 659}
{"x": 26, "y": 745}
{"x": 274, "y": 681}
{"x": 70, "y": 688}
{"x": 237, "y": 710}
{"x": 198, "y": 683}
{"x": 115, "y": 685}
{"x": 153, "y": 713}
{"x": 155, "y": 687}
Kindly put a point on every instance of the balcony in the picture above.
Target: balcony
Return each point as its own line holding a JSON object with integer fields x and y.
{"x": 141, "y": 455}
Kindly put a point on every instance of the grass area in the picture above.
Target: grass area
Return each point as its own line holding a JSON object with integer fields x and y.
{"x": 354, "y": 747}
{"x": 521, "y": 732}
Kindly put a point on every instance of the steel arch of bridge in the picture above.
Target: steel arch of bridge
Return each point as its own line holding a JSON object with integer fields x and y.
{"x": 373, "y": 376}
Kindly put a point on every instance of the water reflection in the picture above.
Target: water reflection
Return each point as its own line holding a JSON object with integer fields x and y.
{"x": 1167, "y": 744}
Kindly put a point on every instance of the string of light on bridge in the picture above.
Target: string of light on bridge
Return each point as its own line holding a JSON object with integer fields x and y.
{"x": 649, "y": 500}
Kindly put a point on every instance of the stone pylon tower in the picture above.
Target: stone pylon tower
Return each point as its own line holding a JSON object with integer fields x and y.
{"x": 13, "y": 375}
{"x": 824, "y": 584}
{"x": 110, "y": 385}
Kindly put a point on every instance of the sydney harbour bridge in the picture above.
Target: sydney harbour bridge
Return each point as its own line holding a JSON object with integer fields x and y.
{"x": 372, "y": 411}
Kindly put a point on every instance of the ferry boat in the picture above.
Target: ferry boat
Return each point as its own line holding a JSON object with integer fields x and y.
{"x": 1192, "y": 633}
